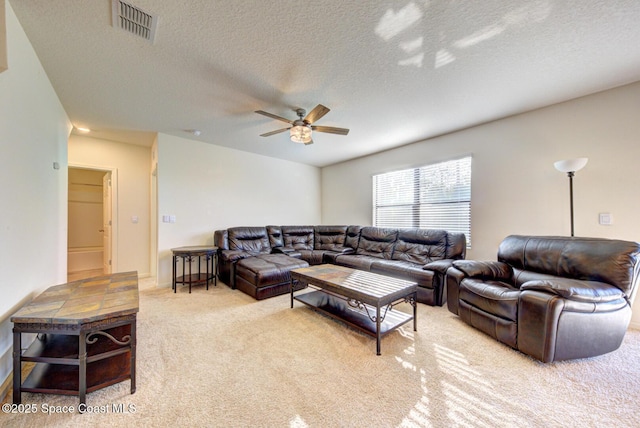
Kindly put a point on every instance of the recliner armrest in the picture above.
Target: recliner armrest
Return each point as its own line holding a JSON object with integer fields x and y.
{"x": 577, "y": 290}
{"x": 492, "y": 270}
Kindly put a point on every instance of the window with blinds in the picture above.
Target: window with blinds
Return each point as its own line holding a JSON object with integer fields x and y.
{"x": 436, "y": 196}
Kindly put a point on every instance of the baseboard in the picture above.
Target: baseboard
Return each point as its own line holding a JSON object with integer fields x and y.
{"x": 634, "y": 325}
{"x": 6, "y": 386}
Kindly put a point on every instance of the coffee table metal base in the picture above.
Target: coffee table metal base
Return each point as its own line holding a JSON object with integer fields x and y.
{"x": 361, "y": 299}
{"x": 368, "y": 319}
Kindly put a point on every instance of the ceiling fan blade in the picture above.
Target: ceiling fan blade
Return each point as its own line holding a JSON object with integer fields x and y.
{"x": 273, "y": 116}
{"x": 274, "y": 132}
{"x": 316, "y": 113}
{"x": 331, "y": 130}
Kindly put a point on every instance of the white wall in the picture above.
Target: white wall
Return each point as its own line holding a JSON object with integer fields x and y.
{"x": 210, "y": 187}
{"x": 33, "y": 135}
{"x": 515, "y": 188}
{"x": 133, "y": 166}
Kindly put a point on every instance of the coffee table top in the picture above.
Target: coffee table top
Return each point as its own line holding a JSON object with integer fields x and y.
{"x": 356, "y": 284}
{"x": 83, "y": 301}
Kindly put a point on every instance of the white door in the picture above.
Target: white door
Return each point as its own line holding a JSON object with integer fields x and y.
{"x": 106, "y": 222}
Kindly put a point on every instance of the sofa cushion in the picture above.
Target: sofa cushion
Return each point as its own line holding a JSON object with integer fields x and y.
{"x": 493, "y": 297}
{"x": 275, "y": 236}
{"x": 253, "y": 240}
{"x": 356, "y": 261}
{"x": 329, "y": 237}
{"x": 404, "y": 270}
{"x": 456, "y": 246}
{"x": 420, "y": 245}
{"x": 352, "y": 237}
{"x": 298, "y": 237}
{"x": 377, "y": 242}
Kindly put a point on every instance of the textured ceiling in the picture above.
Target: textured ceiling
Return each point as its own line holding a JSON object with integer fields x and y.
{"x": 393, "y": 71}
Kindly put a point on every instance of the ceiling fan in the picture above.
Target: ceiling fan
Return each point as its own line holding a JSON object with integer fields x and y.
{"x": 301, "y": 128}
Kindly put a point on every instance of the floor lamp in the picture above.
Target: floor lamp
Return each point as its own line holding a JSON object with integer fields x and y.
{"x": 570, "y": 166}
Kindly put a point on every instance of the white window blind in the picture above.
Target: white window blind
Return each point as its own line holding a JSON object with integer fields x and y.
{"x": 436, "y": 196}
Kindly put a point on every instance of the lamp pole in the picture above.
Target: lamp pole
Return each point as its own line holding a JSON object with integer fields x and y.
{"x": 571, "y": 174}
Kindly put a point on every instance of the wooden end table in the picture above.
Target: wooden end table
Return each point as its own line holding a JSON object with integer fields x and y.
{"x": 86, "y": 337}
{"x": 189, "y": 255}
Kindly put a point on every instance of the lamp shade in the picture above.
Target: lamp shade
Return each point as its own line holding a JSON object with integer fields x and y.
{"x": 571, "y": 165}
{"x": 300, "y": 134}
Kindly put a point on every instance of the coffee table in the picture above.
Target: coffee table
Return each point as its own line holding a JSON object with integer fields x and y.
{"x": 361, "y": 299}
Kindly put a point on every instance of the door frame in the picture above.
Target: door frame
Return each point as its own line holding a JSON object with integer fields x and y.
{"x": 114, "y": 207}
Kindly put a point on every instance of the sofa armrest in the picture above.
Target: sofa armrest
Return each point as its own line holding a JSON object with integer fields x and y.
{"x": 291, "y": 252}
{"x": 282, "y": 250}
{"x": 230, "y": 256}
{"x": 221, "y": 239}
{"x": 330, "y": 256}
{"x": 496, "y": 271}
{"x": 339, "y": 250}
{"x": 577, "y": 290}
{"x": 439, "y": 266}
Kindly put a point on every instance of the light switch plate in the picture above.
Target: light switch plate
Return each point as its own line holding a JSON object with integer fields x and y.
{"x": 605, "y": 219}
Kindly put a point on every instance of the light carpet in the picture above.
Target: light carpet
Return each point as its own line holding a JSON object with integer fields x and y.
{"x": 220, "y": 358}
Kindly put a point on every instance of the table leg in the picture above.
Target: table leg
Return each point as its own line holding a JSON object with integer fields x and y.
{"x": 133, "y": 356}
{"x": 173, "y": 284}
{"x": 17, "y": 367}
{"x": 215, "y": 269}
{"x": 207, "y": 263}
{"x": 377, "y": 329}
{"x": 82, "y": 369}
{"x": 190, "y": 262}
{"x": 414, "y": 303}
{"x": 200, "y": 270}
{"x": 291, "y": 289}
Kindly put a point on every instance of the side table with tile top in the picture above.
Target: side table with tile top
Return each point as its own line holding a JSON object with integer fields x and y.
{"x": 86, "y": 337}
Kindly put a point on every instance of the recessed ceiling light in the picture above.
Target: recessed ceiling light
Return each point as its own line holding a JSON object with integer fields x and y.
{"x": 83, "y": 129}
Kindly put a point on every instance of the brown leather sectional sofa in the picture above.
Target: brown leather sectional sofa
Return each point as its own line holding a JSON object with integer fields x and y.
{"x": 553, "y": 298}
{"x": 257, "y": 260}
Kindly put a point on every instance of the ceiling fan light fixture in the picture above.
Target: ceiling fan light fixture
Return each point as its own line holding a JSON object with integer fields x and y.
{"x": 300, "y": 134}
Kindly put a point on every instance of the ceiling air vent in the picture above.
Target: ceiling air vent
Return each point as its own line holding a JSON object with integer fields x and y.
{"x": 133, "y": 20}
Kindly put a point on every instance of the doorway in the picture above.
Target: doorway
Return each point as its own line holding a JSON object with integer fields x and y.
{"x": 90, "y": 236}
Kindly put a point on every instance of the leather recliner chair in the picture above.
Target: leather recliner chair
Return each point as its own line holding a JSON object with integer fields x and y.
{"x": 553, "y": 298}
